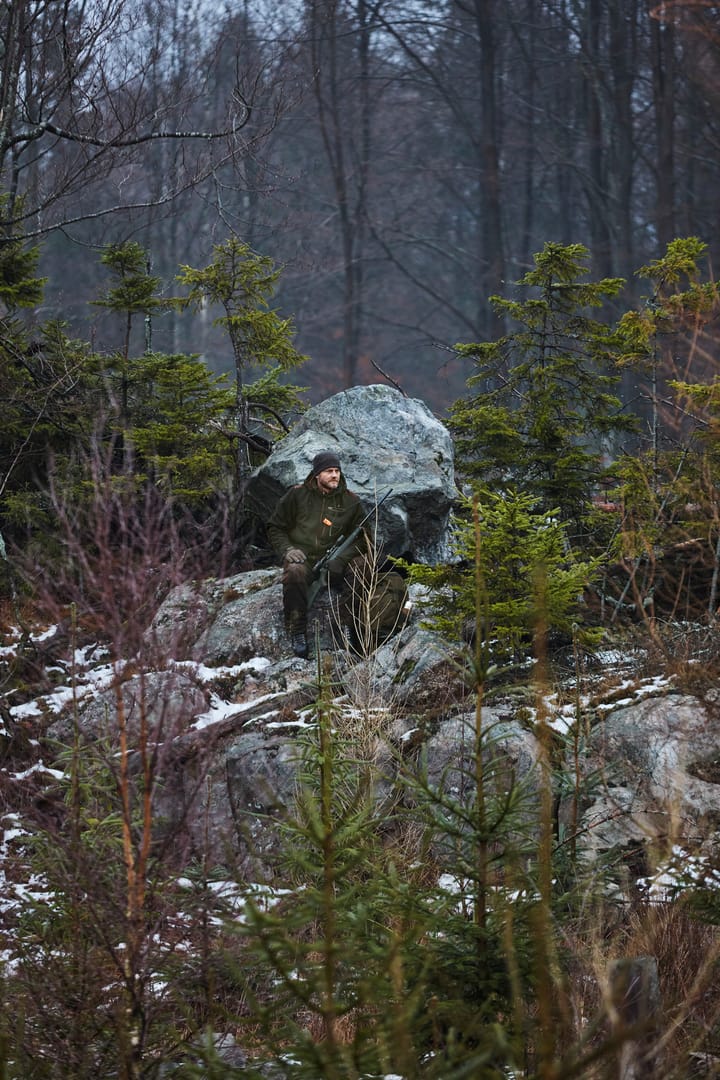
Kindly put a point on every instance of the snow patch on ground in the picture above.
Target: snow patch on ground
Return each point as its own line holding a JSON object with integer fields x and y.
{"x": 680, "y": 871}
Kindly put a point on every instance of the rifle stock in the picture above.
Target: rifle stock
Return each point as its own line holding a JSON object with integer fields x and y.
{"x": 319, "y": 570}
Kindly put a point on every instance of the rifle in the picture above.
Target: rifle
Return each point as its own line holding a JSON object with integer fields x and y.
{"x": 319, "y": 570}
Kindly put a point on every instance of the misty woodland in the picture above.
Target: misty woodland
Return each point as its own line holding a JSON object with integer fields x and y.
{"x": 468, "y": 249}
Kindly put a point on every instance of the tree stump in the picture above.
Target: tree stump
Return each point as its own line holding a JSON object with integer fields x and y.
{"x": 634, "y": 998}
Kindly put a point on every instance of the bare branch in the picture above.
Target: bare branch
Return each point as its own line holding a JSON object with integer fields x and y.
{"x": 136, "y": 140}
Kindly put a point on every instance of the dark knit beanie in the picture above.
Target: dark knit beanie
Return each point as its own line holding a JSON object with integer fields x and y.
{"x": 325, "y": 460}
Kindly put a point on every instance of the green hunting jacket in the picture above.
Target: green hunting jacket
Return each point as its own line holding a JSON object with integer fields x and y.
{"x": 305, "y": 518}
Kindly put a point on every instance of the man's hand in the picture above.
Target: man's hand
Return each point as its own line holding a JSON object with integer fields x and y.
{"x": 294, "y": 555}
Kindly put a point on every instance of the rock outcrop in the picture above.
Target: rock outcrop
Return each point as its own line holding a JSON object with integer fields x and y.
{"x": 225, "y": 711}
{"x": 656, "y": 776}
{"x": 648, "y": 769}
{"x": 229, "y": 772}
{"x": 222, "y": 621}
{"x": 384, "y": 441}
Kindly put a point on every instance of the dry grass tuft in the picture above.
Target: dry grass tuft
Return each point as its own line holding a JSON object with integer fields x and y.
{"x": 687, "y": 952}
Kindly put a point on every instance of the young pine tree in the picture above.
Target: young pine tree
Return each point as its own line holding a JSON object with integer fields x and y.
{"x": 668, "y": 492}
{"x": 242, "y": 283}
{"x": 542, "y": 406}
{"x": 506, "y": 542}
{"x": 167, "y": 414}
{"x": 46, "y": 397}
{"x": 325, "y": 966}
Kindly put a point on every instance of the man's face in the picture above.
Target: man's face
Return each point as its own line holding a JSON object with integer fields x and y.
{"x": 328, "y": 480}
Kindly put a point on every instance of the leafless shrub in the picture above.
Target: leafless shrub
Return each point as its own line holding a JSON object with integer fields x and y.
{"x": 367, "y": 719}
{"x": 122, "y": 546}
{"x": 104, "y": 857}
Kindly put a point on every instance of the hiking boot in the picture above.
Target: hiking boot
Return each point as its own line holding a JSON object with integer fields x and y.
{"x": 298, "y": 641}
{"x": 299, "y": 644}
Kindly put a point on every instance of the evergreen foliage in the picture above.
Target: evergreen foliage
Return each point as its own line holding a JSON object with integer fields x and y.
{"x": 679, "y": 300}
{"x": 178, "y": 434}
{"x": 502, "y": 546}
{"x": 672, "y": 318}
{"x": 46, "y": 399}
{"x": 148, "y": 417}
{"x": 19, "y": 285}
{"x": 46, "y": 416}
{"x": 242, "y": 283}
{"x": 135, "y": 290}
{"x": 370, "y": 964}
{"x": 158, "y": 419}
{"x": 334, "y": 947}
{"x": 666, "y": 492}
{"x": 542, "y": 407}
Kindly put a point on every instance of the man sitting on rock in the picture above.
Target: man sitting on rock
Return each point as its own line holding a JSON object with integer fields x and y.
{"x": 306, "y": 523}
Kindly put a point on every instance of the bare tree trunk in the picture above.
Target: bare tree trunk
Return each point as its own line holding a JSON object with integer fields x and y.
{"x": 622, "y": 45}
{"x": 662, "y": 60}
{"x": 340, "y": 115}
{"x": 634, "y": 994}
{"x": 529, "y": 162}
{"x": 492, "y": 258}
{"x": 597, "y": 187}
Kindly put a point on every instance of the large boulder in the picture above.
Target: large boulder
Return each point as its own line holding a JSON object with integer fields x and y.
{"x": 414, "y": 669}
{"x": 384, "y": 441}
{"x": 511, "y": 763}
{"x": 222, "y": 621}
{"x": 162, "y": 703}
{"x": 654, "y": 767}
{"x": 231, "y": 620}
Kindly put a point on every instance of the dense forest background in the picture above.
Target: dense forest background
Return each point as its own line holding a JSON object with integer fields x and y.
{"x": 400, "y": 161}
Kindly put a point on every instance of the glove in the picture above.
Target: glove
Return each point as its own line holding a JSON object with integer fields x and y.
{"x": 294, "y": 555}
{"x": 336, "y": 573}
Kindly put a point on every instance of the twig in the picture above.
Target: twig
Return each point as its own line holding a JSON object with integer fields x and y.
{"x": 388, "y": 377}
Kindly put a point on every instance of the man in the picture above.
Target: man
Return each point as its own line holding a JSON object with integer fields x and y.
{"x": 305, "y": 524}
